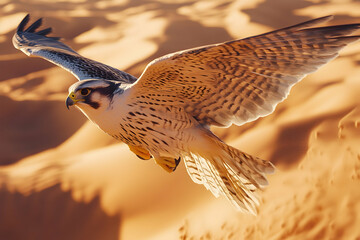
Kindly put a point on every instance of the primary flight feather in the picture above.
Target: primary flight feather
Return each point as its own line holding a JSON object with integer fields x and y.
{"x": 167, "y": 113}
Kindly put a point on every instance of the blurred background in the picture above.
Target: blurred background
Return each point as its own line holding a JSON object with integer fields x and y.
{"x": 62, "y": 178}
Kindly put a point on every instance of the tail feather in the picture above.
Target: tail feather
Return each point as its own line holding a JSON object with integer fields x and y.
{"x": 247, "y": 193}
{"x": 206, "y": 172}
{"x": 248, "y": 165}
{"x": 227, "y": 171}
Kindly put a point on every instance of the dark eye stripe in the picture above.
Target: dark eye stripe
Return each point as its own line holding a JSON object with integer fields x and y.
{"x": 107, "y": 91}
{"x": 95, "y": 105}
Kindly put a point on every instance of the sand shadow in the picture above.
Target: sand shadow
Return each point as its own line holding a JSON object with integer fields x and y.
{"x": 34, "y": 126}
{"x": 53, "y": 214}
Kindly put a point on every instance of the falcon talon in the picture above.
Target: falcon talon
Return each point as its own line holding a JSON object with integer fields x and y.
{"x": 143, "y": 158}
{"x": 177, "y": 161}
{"x": 142, "y": 153}
{"x": 169, "y": 110}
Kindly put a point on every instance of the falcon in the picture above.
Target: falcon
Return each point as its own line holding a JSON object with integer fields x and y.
{"x": 166, "y": 113}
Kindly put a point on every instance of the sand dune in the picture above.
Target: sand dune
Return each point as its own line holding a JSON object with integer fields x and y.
{"x": 62, "y": 178}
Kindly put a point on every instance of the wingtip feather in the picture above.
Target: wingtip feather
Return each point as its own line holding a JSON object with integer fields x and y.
{"x": 23, "y": 23}
{"x": 55, "y": 38}
{"x": 34, "y": 26}
{"x": 44, "y": 32}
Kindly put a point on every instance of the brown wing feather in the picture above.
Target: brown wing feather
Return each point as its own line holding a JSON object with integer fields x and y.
{"x": 241, "y": 80}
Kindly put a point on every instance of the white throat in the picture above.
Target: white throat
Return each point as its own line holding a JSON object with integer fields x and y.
{"x": 109, "y": 113}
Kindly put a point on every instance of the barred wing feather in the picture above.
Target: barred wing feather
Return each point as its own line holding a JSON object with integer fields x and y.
{"x": 37, "y": 43}
{"x": 242, "y": 80}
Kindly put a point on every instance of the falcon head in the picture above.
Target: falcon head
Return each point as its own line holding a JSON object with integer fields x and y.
{"x": 93, "y": 95}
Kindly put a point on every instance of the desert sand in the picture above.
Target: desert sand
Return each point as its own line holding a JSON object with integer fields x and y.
{"x": 62, "y": 178}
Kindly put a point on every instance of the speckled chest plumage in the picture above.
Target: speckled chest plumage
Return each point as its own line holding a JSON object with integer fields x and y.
{"x": 151, "y": 121}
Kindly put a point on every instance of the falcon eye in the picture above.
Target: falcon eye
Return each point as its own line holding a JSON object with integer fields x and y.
{"x": 85, "y": 91}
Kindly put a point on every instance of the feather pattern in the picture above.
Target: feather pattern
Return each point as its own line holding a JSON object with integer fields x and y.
{"x": 168, "y": 111}
{"x": 50, "y": 48}
{"x": 242, "y": 80}
{"x": 237, "y": 82}
{"x": 226, "y": 171}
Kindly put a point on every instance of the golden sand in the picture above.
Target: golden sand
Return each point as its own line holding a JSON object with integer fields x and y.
{"x": 62, "y": 178}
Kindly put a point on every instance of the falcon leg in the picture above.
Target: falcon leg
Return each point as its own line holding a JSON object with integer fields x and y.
{"x": 140, "y": 152}
{"x": 167, "y": 163}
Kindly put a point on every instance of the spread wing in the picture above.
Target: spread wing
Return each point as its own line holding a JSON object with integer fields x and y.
{"x": 242, "y": 80}
{"x": 34, "y": 43}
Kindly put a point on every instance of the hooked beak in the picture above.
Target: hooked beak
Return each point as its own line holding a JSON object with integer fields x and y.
{"x": 71, "y": 100}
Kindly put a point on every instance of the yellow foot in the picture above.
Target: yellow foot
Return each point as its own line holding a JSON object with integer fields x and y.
{"x": 142, "y": 153}
{"x": 168, "y": 163}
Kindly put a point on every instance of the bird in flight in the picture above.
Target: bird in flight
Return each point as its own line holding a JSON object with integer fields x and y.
{"x": 167, "y": 112}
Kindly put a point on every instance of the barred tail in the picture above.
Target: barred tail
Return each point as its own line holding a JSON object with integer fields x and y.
{"x": 227, "y": 171}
